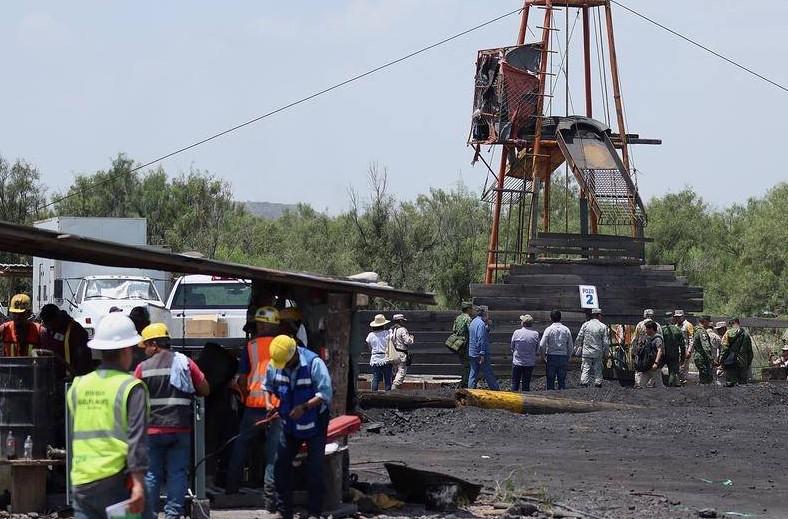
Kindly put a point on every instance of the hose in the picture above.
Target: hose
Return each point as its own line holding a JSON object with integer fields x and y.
{"x": 260, "y": 423}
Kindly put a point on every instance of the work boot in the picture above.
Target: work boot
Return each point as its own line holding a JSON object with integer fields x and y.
{"x": 269, "y": 499}
{"x": 597, "y": 384}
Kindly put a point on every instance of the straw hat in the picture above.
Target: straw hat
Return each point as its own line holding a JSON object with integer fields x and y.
{"x": 380, "y": 320}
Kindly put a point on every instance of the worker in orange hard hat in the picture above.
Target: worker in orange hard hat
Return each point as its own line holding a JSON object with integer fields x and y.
{"x": 257, "y": 403}
{"x": 20, "y": 335}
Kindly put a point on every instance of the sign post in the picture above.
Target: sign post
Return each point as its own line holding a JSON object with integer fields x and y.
{"x": 588, "y": 296}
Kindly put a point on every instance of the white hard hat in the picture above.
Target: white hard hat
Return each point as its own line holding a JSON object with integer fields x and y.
{"x": 116, "y": 331}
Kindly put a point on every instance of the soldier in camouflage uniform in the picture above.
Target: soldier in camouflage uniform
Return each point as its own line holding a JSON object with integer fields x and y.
{"x": 675, "y": 349}
{"x": 702, "y": 351}
{"x": 460, "y": 329}
{"x": 737, "y": 354}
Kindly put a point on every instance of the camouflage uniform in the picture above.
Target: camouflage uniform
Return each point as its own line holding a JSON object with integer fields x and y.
{"x": 675, "y": 350}
{"x": 716, "y": 347}
{"x": 737, "y": 356}
{"x": 702, "y": 355}
{"x": 460, "y": 329}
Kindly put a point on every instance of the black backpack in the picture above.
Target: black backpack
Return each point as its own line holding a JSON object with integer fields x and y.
{"x": 646, "y": 357}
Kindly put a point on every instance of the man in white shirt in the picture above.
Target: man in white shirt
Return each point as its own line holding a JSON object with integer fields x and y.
{"x": 556, "y": 348}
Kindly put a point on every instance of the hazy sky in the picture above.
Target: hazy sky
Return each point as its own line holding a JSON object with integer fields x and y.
{"x": 83, "y": 81}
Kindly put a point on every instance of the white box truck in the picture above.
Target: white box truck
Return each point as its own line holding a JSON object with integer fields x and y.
{"x": 86, "y": 291}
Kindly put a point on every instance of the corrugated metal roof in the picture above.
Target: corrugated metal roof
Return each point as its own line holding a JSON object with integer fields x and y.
{"x": 23, "y": 239}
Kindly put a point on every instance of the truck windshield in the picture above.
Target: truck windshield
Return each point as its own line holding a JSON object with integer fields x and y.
{"x": 120, "y": 289}
{"x": 203, "y": 296}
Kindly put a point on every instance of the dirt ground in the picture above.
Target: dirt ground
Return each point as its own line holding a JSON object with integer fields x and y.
{"x": 688, "y": 449}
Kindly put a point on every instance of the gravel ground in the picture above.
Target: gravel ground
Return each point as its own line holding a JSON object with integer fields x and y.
{"x": 689, "y": 449}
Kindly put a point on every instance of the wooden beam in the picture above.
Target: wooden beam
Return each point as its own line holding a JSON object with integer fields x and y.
{"x": 338, "y": 323}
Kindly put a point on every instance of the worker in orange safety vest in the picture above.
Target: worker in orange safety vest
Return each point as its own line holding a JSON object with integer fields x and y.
{"x": 257, "y": 403}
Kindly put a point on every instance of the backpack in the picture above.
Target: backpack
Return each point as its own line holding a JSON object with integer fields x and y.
{"x": 672, "y": 339}
{"x": 646, "y": 356}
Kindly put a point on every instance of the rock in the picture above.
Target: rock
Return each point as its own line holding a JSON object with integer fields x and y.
{"x": 707, "y": 512}
{"x": 520, "y": 510}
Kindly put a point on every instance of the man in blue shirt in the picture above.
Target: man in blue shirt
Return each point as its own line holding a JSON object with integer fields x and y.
{"x": 479, "y": 352}
{"x": 300, "y": 379}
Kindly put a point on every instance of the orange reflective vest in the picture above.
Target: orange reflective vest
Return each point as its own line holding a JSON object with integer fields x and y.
{"x": 11, "y": 342}
{"x": 259, "y": 351}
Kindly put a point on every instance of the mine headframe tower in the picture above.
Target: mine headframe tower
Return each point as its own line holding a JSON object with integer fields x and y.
{"x": 510, "y": 112}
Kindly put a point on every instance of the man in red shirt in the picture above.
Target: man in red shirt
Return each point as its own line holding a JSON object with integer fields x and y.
{"x": 66, "y": 338}
{"x": 172, "y": 380}
{"x": 20, "y": 335}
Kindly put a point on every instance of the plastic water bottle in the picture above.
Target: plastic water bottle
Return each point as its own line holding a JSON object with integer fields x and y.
{"x": 10, "y": 446}
{"x": 28, "y": 448}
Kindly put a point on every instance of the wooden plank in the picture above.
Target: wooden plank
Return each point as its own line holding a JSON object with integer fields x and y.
{"x": 338, "y": 344}
{"x": 592, "y": 237}
{"x": 608, "y": 291}
{"x": 532, "y": 249}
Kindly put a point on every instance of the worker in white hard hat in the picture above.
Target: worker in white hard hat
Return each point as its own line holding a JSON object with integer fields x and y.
{"x": 108, "y": 411}
{"x": 300, "y": 380}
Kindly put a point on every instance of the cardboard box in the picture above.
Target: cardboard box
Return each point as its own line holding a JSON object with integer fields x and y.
{"x": 200, "y": 326}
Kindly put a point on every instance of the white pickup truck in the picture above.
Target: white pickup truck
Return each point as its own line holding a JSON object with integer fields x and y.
{"x": 219, "y": 303}
{"x": 96, "y": 295}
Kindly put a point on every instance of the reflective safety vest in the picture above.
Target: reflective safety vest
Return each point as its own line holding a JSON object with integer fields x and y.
{"x": 259, "y": 351}
{"x": 293, "y": 393}
{"x": 99, "y": 440}
{"x": 169, "y": 406}
{"x": 11, "y": 343}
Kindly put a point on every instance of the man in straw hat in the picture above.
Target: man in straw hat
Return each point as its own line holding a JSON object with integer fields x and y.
{"x": 402, "y": 340}
{"x": 379, "y": 361}
{"x": 108, "y": 421}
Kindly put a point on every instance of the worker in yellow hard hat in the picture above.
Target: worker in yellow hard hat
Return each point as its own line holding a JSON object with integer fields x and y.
{"x": 20, "y": 335}
{"x": 300, "y": 379}
{"x": 173, "y": 380}
{"x": 257, "y": 403}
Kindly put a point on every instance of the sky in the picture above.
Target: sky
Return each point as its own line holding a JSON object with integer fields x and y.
{"x": 86, "y": 80}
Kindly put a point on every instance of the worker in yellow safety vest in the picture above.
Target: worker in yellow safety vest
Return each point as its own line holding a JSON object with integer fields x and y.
{"x": 108, "y": 415}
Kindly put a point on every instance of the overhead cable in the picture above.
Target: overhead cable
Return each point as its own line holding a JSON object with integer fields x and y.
{"x": 284, "y": 107}
{"x": 700, "y": 45}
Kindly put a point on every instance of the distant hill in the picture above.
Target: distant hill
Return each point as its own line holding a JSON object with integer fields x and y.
{"x": 267, "y": 210}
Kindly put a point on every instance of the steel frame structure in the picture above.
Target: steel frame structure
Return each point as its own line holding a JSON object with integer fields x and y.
{"x": 540, "y": 150}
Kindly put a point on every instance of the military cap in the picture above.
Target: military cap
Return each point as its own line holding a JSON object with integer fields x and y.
{"x": 466, "y": 304}
{"x": 719, "y": 325}
{"x": 678, "y": 313}
{"x": 596, "y": 311}
{"x": 648, "y": 312}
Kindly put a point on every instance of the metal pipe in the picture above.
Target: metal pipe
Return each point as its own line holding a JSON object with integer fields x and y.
{"x": 546, "y": 204}
{"x": 199, "y": 447}
{"x": 587, "y": 59}
{"x": 616, "y": 85}
{"x": 523, "y": 23}
{"x": 548, "y": 16}
{"x": 492, "y": 254}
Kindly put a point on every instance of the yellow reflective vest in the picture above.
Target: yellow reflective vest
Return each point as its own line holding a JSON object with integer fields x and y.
{"x": 97, "y": 405}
